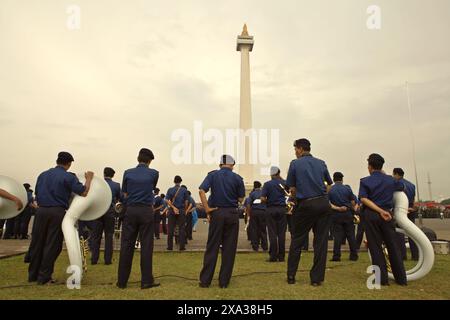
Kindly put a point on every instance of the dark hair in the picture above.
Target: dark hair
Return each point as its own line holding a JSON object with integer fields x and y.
{"x": 108, "y": 172}
{"x": 64, "y": 158}
{"x": 337, "y": 176}
{"x": 145, "y": 155}
{"x": 303, "y": 143}
{"x": 189, "y": 193}
{"x": 399, "y": 171}
{"x": 184, "y": 186}
{"x": 376, "y": 161}
{"x": 256, "y": 184}
{"x": 156, "y": 190}
{"x": 27, "y": 186}
{"x": 177, "y": 179}
{"x": 162, "y": 195}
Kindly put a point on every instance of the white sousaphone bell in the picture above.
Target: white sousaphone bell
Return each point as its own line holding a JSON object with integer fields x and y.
{"x": 8, "y": 208}
{"x": 407, "y": 227}
{"x": 93, "y": 206}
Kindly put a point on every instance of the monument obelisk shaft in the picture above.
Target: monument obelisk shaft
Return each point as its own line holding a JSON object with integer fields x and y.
{"x": 245, "y": 46}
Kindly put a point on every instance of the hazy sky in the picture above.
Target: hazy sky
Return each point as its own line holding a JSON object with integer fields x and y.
{"x": 138, "y": 70}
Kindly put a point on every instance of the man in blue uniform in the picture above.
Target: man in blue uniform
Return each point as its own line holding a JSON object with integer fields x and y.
{"x": 6, "y": 195}
{"x": 157, "y": 207}
{"x": 53, "y": 190}
{"x": 306, "y": 178}
{"x": 189, "y": 212}
{"x": 137, "y": 187}
{"x": 376, "y": 193}
{"x": 227, "y": 191}
{"x": 106, "y": 222}
{"x": 22, "y": 224}
{"x": 177, "y": 199}
{"x": 410, "y": 191}
{"x": 273, "y": 194}
{"x": 256, "y": 210}
{"x": 343, "y": 204}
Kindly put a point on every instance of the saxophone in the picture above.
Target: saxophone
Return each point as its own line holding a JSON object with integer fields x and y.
{"x": 84, "y": 246}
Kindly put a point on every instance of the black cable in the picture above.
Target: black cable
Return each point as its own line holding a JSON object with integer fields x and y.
{"x": 173, "y": 276}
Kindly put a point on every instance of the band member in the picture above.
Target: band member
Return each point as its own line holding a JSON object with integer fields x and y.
{"x": 157, "y": 207}
{"x": 256, "y": 210}
{"x": 106, "y": 222}
{"x": 343, "y": 204}
{"x": 247, "y": 218}
{"x": 227, "y": 191}
{"x": 189, "y": 217}
{"x": 22, "y": 221}
{"x": 137, "y": 187}
{"x": 177, "y": 199}
{"x": 410, "y": 191}
{"x": 164, "y": 209}
{"x": 306, "y": 177}
{"x": 6, "y": 195}
{"x": 53, "y": 190}
{"x": 376, "y": 193}
{"x": 273, "y": 194}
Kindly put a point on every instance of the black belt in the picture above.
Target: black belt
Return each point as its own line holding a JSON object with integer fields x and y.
{"x": 139, "y": 205}
{"x": 309, "y": 199}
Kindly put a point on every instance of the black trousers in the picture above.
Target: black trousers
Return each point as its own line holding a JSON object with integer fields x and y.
{"x": 412, "y": 244}
{"x": 344, "y": 228}
{"x": 377, "y": 232}
{"x": 103, "y": 224}
{"x": 25, "y": 222}
{"x": 258, "y": 229}
{"x": 223, "y": 231}
{"x": 157, "y": 223}
{"x": 277, "y": 225}
{"x": 189, "y": 226}
{"x": 180, "y": 221}
{"x": 9, "y": 228}
{"x": 46, "y": 243}
{"x": 137, "y": 219}
{"x": 360, "y": 234}
{"x": 311, "y": 214}
{"x": 164, "y": 223}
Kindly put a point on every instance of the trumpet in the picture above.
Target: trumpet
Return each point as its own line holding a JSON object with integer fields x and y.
{"x": 290, "y": 204}
{"x": 356, "y": 219}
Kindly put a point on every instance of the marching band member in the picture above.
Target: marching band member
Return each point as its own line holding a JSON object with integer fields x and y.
{"x": 157, "y": 211}
{"x": 177, "y": 199}
{"x": 256, "y": 210}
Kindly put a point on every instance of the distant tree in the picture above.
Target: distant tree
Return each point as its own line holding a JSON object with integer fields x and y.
{"x": 446, "y": 202}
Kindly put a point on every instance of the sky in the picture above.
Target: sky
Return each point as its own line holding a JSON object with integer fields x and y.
{"x": 136, "y": 71}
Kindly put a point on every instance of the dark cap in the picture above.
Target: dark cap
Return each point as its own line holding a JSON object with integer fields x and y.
{"x": 64, "y": 157}
{"x": 337, "y": 176}
{"x": 302, "y": 143}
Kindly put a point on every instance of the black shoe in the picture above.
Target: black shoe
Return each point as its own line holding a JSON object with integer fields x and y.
{"x": 316, "y": 284}
{"x": 353, "y": 258}
{"x": 121, "y": 286}
{"x": 93, "y": 263}
{"x": 271, "y": 260}
{"x": 335, "y": 259}
{"x": 203, "y": 285}
{"x": 46, "y": 282}
{"x": 223, "y": 286}
{"x": 280, "y": 259}
{"x": 182, "y": 249}
{"x": 255, "y": 249}
{"x": 150, "y": 285}
{"x": 291, "y": 280}
{"x": 108, "y": 263}
{"x": 169, "y": 249}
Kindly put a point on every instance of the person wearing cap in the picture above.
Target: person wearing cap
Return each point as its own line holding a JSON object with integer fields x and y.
{"x": 274, "y": 195}
{"x": 343, "y": 204}
{"x": 306, "y": 179}
{"x": 53, "y": 191}
{"x": 138, "y": 187}
{"x": 256, "y": 210}
{"x": 178, "y": 200}
{"x": 157, "y": 207}
{"x": 106, "y": 222}
{"x": 410, "y": 191}
{"x": 376, "y": 194}
{"x": 227, "y": 191}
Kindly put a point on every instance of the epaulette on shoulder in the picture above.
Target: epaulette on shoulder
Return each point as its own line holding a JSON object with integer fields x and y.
{"x": 212, "y": 172}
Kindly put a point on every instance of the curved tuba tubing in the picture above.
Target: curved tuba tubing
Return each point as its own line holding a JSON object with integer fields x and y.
{"x": 91, "y": 207}
{"x": 8, "y": 208}
{"x": 426, "y": 252}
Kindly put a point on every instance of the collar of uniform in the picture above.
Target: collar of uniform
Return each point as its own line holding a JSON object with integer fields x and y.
{"x": 306, "y": 154}
{"x": 376, "y": 172}
{"x": 142, "y": 165}
{"x": 225, "y": 168}
{"x": 60, "y": 167}
{"x": 108, "y": 178}
{"x": 338, "y": 182}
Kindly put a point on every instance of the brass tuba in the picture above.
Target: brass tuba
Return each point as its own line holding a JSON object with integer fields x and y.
{"x": 93, "y": 206}
{"x": 8, "y": 208}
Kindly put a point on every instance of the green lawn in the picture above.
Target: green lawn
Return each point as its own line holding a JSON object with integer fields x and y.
{"x": 253, "y": 279}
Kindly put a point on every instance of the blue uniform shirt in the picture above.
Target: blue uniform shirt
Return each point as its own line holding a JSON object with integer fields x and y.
{"x": 341, "y": 195}
{"x": 55, "y": 186}
{"x": 158, "y": 202}
{"x": 255, "y": 200}
{"x": 226, "y": 187}
{"x": 308, "y": 175}
{"x": 182, "y": 196}
{"x": 410, "y": 190}
{"x": 274, "y": 192}
{"x": 115, "y": 190}
{"x": 29, "y": 198}
{"x": 379, "y": 188}
{"x": 192, "y": 201}
{"x": 139, "y": 184}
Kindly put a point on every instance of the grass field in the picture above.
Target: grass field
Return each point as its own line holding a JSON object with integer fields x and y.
{"x": 253, "y": 278}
